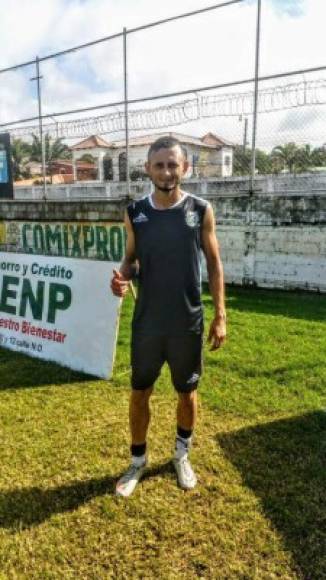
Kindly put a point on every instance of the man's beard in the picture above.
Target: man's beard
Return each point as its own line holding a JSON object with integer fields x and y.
{"x": 166, "y": 188}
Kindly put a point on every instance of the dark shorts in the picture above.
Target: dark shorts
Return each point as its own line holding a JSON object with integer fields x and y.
{"x": 182, "y": 353}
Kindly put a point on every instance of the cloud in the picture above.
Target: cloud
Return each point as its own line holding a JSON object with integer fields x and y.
{"x": 304, "y": 126}
{"x": 291, "y": 7}
{"x": 26, "y": 27}
{"x": 13, "y": 101}
{"x": 212, "y": 48}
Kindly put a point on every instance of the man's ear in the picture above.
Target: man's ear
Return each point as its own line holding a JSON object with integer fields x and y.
{"x": 146, "y": 166}
{"x": 185, "y": 166}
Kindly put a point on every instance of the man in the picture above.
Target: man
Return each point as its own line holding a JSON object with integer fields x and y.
{"x": 165, "y": 233}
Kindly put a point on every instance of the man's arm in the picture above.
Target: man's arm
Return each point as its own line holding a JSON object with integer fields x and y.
{"x": 217, "y": 331}
{"x": 120, "y": 280}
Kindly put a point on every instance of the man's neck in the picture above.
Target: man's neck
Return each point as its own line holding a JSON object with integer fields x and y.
{"x": 163, "y": 200}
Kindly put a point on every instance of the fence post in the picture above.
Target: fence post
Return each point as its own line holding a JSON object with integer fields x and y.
{"x": 125, "y": 75}
{"x": 39, "y": 98}
{"x": 255, "y": 111}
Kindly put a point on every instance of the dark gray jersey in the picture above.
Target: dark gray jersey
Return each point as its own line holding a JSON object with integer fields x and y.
{"x": 168, "y": 244}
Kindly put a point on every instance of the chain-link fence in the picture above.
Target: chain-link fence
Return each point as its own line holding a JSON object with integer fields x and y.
{"x": 92, "y": 111}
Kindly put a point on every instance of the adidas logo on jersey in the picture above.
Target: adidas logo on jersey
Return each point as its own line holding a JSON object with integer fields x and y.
{"x": 141, "y": 217}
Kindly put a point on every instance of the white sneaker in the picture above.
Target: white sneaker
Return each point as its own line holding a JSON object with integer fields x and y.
{"x": 186, "y": 477}
{"x": 127, "y": 483}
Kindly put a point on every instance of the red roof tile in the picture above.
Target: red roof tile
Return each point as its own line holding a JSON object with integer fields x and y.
{"x": 91, "y": 143}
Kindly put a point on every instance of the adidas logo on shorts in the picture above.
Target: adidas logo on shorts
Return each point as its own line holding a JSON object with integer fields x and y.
{"x": 193, "y": 379}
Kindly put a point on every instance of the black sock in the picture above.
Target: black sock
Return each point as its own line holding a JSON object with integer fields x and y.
{"x": 184, "y": 433}
{"x": 138, "y": 450}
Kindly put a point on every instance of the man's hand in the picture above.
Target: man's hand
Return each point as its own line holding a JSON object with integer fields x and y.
{"x": 119, "y": 285}
{"x": 217, "y": 332}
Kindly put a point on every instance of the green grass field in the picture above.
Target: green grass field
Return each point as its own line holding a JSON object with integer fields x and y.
{"x": 259, "y": 452}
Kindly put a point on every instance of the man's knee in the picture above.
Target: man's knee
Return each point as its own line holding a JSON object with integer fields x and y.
{"x": 140, "y": 397}
{"x": 188, "y": 399}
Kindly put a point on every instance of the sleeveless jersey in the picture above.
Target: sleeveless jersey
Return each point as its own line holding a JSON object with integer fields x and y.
{"x": 168, "y": 247}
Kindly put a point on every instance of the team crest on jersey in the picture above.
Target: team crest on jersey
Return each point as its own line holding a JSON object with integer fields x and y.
{"x": 192, "y": 219}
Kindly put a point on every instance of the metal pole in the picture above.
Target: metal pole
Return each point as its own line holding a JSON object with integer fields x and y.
{"x": 245, "y": 132}
{"x": 39, "y": 97}
{"x": 125, "y": 75}
{"x": 254, "y": 125}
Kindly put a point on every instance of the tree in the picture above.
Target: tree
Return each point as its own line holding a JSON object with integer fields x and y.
{"x": 54, "y": 149}
{"x": 263, "y": 162}
{"x": 242, "y": 161}
{"x": 87, "y": 158}
{"x": 286, "y": 155}
{"x": 298, "y": 159}
{"x": 319, "y": 156}
{"x": 20, "y": 155}
{"x": 304, "y": 158}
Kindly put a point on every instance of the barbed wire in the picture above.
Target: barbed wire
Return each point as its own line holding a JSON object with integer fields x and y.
{"x": 271, "y": 99}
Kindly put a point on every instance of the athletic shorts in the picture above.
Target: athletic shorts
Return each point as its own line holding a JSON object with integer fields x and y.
{"x": 182, "y": 353}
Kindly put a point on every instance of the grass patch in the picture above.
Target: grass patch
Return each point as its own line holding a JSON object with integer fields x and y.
{"x": 275, "y": 357}
{"x": 259, "y": 451}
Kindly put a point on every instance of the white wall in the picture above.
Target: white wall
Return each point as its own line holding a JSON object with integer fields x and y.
{"x": 277, "y": 239}
{"x": 275, "y": 257}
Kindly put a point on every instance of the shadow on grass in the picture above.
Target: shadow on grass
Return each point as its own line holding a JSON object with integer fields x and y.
{"x": 283, "y": 373}
{"x": 23, "y": 508}
{"x": 158, "y": 470}
{"x": 283, "y": 463}
{"x": 19, "y": 371}
{"x": 298, "y": 305}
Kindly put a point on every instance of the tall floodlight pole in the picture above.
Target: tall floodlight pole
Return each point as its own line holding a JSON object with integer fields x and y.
{"x": 125, "y": 75}
{"x": 255, "y": 112}
{"x": 37, "y": 78}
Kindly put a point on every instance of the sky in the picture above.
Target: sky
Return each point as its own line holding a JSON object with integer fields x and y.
{"x": 204, "y": 50}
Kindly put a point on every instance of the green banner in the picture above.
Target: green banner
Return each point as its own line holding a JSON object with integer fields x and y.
{"x": 98, "y": 240}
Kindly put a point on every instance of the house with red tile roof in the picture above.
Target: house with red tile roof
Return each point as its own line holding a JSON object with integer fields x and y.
{"x": 209, "y": 156}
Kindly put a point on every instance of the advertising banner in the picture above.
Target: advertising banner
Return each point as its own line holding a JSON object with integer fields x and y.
{"x": 59, "y": 309}
{"x": 6, "y": 184}
{"x": 3, "y": 166}
{"x": 99, "y": 240}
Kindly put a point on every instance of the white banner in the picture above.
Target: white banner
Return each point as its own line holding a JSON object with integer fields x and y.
{"x": 59, "y": 309}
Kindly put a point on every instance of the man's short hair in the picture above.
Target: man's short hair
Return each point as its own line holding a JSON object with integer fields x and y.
{"x": 166, "y": 143}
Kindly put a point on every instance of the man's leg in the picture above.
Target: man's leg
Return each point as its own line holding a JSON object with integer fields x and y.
{"x": 187, "y": 410}
{"x": 146, "y": 362}
{"x": 185, "y": 361}
{"x": 139, "y": 415}
{"x": 186, "y": 420}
